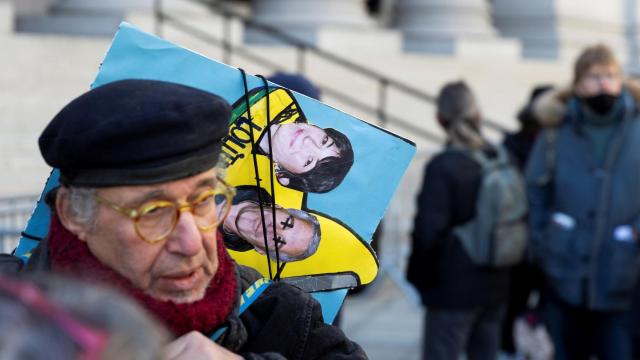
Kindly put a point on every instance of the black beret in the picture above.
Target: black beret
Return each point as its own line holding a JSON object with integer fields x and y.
{"x": 135, "y": 132}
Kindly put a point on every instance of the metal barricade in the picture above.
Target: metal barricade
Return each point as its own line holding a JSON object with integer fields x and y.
{"x": 14, "y": 214}
{"x": 395, "y": 245}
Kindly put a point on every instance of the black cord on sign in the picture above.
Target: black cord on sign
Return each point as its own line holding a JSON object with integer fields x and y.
{"x": 31, "y": 237}
{"x": 274, "y": 223}
{"x": 255, "y": 167}
{"x": 280, "y": 268}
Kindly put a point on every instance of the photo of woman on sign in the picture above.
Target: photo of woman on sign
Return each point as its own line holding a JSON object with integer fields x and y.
{"x": 306, "y": 157}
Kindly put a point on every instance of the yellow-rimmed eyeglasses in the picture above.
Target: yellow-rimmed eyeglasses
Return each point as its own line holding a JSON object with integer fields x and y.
{"x": 155, "y": 220}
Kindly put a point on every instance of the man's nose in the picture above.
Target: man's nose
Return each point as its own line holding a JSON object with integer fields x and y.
{"x": 604, "y": 82}
{"x": 269, "y": 225}
{"x": 186, "y": 238}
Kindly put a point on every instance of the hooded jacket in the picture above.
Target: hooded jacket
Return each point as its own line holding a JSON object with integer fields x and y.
{"x": 576, "y": 204}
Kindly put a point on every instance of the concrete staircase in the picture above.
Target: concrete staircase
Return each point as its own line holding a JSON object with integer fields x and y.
{"x": 501, "y": 83}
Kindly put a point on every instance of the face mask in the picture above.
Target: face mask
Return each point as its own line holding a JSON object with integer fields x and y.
{"x": 601, "y": 104}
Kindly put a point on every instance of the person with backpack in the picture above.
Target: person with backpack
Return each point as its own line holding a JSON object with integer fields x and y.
{"x": 469, "y": 229}
{"x": 584, "y": 196}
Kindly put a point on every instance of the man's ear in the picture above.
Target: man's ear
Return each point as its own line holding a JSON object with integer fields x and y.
{"x": 283, "y": 180}
{"x": 66, "y": 216}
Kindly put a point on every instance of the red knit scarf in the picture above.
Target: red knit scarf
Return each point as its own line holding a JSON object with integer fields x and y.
{"x": 71, "y": 256}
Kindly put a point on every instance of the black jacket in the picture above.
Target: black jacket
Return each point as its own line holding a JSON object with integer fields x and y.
{"x": 519, "y": 145}
{"x": 287, "y": 322}
{"x": 439, "y": 267}
{"x": 283, "y": 322}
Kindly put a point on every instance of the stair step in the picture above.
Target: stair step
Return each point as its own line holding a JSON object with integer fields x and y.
{"x": 117, "y": 6}
{"x": 71, "y": 24}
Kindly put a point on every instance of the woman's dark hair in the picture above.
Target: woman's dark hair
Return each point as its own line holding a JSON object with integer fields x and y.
{"x": 328, "y": 172}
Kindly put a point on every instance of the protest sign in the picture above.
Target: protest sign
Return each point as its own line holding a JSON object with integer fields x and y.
{"x": 333, "y": 175}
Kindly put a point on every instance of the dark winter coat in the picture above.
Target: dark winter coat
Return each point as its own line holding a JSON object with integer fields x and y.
{"x": 519, "y": 145}
{"x": 584, "y": 264}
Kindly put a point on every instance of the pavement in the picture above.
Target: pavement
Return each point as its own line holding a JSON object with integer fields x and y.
{"x": 387, "y": 320}
{"x": 384, "y": 321}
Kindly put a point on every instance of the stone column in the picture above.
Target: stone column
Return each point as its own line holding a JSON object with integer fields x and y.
{"x": 443, "y": 26}
{"x": 31, "y": 7}
{"x": 76, "y": 17}
{"x": 632, "y": 32}
{"x": 533, "y": 22}
{"x": 303, "y": 18}
{"x": 559, "y": 29}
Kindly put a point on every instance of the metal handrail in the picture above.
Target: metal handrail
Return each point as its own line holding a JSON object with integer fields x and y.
{"x": 14, "y": 213}
{"x": 384, "y": 82}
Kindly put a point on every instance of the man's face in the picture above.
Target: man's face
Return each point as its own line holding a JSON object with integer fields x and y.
{"x": 296, "y": 233}
{"x": 298, "y": 147}
{"x": 178, "y": 268}
{"x": 600, "y": 79}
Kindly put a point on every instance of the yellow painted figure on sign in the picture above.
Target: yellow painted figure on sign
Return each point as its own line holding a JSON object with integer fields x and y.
{"x": 325, "y": 254}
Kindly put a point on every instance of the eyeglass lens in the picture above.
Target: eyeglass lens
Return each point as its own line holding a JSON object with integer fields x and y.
{"x": 157, "y": 220}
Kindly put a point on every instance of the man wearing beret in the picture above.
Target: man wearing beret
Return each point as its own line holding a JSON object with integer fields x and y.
{"x": 137, "y": 210}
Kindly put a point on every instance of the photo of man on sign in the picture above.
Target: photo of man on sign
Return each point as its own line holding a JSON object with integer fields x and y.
{"x": 297, "y": 232}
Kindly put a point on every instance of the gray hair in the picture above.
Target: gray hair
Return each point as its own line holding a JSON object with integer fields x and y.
{"x": 456, "y": 102}
{"x": 83, "y": 205}
{"x": 315, "y": 239}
